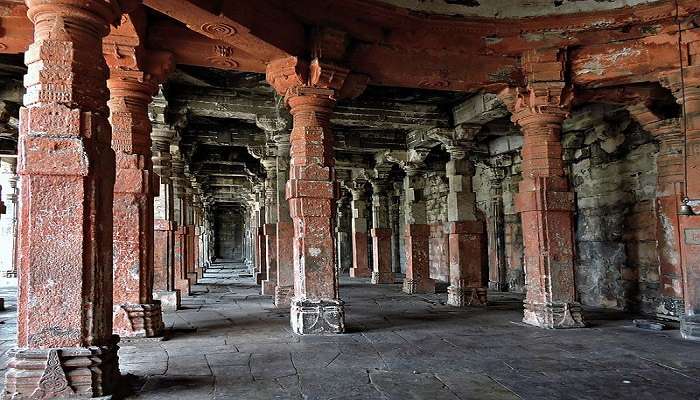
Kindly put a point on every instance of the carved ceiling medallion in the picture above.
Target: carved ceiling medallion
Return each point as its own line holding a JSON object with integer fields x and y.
{"x": 218, "y": 29}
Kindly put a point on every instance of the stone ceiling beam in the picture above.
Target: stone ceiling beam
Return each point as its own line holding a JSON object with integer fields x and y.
{"x": 251, "y": 26}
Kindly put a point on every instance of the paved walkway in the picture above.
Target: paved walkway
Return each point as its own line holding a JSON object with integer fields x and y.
{"x": 231, "y": 343}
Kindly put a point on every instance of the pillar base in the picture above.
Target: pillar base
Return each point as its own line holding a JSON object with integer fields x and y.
{"x": 554, "y": 315}
{"x": 383, "y": 277}
{"x": 670, "y": 309}
{"x": 138, "y": 320}
{"x": 690, "y": 327}
{"x": 169, "y": 300}
{"x": 317, "y": 317}
{"x": 192, "y": 277}
{"x": 360, "y": 273}
{"x": 424, "y": 286}
{"x": 268, "y": 288}
{"x": 71, "y": 372}
{"x": 183, "y": 286}
{"x": 464, "y": 297}
{"x": 283, "y": 296}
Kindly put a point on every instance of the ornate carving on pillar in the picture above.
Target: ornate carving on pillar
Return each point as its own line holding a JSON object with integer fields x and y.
{"x": 685, "y": 85}
{"x": 284, "y": 291}
{"x": 8, "y": 223}
{"x": 182, "y": 282}
{"x": 134, "y": 79}
{"x": 417, "y": 234}
{"x": 66, "y": 169}
{"x": 467, "y": 235}
{"x": 381, "y": 229}
{"x": 545, "y": 200}
{"x": 670, "y": 191}
{"x": 310, "y": 89}
{"x": 358, "y": 205}
{"x": 270, "y": 227}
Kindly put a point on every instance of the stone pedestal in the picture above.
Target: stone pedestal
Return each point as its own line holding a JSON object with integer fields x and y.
{"x": 317, "y": 317}
{"x": 381, "y": 246}
{"x": 417, "y": 242}
{"x": 66, "y": 168}
{"x": 170, "y": 300}
{"x": 138, "y": 320}
{"x": 68, "y": 372}
{"x": 466, "y": 264}
{"x": 269, "y": 284}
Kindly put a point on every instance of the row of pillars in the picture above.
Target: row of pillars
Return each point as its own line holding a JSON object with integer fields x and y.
{"x": 88, "y": 240}
{"x": 86, "y": 215}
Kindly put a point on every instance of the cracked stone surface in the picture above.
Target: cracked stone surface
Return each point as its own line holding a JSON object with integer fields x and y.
{"x": 228, "y": 342}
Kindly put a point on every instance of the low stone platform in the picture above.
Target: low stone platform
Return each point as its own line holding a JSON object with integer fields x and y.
{"x": 228, "y": 342}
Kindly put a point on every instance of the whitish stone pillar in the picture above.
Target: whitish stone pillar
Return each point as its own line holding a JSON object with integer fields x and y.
{"x": 8, "y": 222}
{"x": 467, "y": 240}
{"x": 360, "y": 256}
{"x": 381, "y": 229}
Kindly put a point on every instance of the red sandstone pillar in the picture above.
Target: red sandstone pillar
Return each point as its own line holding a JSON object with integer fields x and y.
{"x": 417, "y": 241}
{"x": 381, "y": 231}
{"x": 136, "y": 314}
{"x": 360, "y": 256}
{"x": 310, "y": 90}
{"x": 66, "y": 167}
{"x": 687, "y": 92}
{"x": 670, "y": 191}
{"x": 182, "y": 282}
{"x": 164, "y": 223}
{"x": 270, "y": 228}
{"x": 284, "y": 291}
{"x": 467, "y": 236}
{"x": 545, "y": 200}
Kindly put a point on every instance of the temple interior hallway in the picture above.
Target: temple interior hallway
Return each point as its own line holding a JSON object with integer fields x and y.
{"x": 228, "y": 342}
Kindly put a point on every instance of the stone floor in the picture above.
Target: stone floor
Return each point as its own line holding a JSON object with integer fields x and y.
{"x": 229, "y": 342}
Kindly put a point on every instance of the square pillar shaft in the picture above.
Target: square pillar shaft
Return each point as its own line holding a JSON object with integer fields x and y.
{"x": 66, "y": 168}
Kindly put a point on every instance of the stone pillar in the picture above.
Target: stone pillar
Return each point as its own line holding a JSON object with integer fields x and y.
{"x": 270, "y": 228}
{"x": 182, "y": 282}
{"x": 135, "y": 312}
{"x": 66, "y": 168}
{"x": 396, "y": 222}
{"x": 687, "y": 92}
{"x": 381, "y": 230}
{"x": 188, "y": 202}
{"x": 8, "y": 223}
{"x": 360, "y": 257}
{"x": 342, "y": 230}
{"x": 496, "y": 234}
{"x": 670, "y": 191}
{"x": 164, "y": 225}
{"x": 310, "y": 91}
{"x": 467, "y": 237}
{"x": 545, "y": 200}
{"x": 417, "y": 235}
{"x": 260, "y": 240}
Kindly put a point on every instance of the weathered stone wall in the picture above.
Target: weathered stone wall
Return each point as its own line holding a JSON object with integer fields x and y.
{"x": 504, "y": 160}
{"x": 229, "y": 234}
{"x": 436, "y": 190}
{"x": 613, "y": 171}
